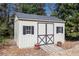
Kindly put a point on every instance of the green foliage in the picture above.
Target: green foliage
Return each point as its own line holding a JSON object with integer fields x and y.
{"x": 32, "y": 8}
{"x": 74, "y": 34}
{"x": 2, "y": 40}
{"x": 4, "y": 22}
{"x": 70, "y": 14}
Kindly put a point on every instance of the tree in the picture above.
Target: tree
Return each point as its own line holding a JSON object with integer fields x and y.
{"x": 69, "y": 13}
{"x": 31, "y": 8}
{"x": 3, "y": 16}
{"x": 5, "y": 29}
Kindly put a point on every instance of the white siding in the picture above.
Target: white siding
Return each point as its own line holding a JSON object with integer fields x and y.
{"x": 27, "y": 40}
{"x": 16, "y": 32}
{"x": 59, "y": 36}
{"x": 15, "y": 24}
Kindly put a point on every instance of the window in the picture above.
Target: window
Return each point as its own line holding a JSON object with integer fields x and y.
{"x": 59, "y": 29}
{"x": 28, "y": 30}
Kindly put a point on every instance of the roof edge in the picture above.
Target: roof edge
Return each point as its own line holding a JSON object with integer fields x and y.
{"x": 40, "y": 20}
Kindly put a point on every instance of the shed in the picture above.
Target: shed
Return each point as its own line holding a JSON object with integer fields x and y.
{"x": 30, "y": 29}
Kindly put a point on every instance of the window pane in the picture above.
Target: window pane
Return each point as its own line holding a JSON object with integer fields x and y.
{"x": 29, "y": 28}
{"x": 28, "y": 32}
{"x": 59, "y": 29}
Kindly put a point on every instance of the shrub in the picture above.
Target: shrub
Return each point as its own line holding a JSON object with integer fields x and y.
{"x": 74, "y": 36}
{"x": 2, "y": 39}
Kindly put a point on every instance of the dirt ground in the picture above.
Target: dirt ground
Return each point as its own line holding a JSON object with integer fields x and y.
{"x": 22, "y": 52}
{"x": 10, "y": 49}
{"x": 70, "y": 44}
{"x": 70, "y": 49}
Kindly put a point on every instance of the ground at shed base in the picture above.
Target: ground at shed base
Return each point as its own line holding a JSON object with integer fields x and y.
{"x": 22, "y": 52}
{"x": 10, "y": 49}
{"x": 70, "y": 44}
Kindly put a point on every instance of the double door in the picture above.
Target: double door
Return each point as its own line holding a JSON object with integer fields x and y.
{"x": 45, "y": 34}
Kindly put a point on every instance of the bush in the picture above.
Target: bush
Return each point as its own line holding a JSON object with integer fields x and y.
{"x": 2, "y": 39}
{"x": 74, "y": 36}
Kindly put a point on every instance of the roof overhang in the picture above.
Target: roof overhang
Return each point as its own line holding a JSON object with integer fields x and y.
{"x": 41, "y": 20}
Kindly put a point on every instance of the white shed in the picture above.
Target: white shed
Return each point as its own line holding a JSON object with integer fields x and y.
{"x": 30, "y": 29}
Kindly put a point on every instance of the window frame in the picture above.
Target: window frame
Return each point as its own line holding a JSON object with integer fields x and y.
{"x": 59, "y": 29}
{"x": 28, "y": 30}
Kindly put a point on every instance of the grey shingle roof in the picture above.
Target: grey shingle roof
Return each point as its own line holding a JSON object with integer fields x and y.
{"x": 33, "y": 17}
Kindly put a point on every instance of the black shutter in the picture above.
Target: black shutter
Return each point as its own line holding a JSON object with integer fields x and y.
{"x": 62, "y": 30}
{"x": 57, "y": 29}
{"x": 32, "y": 29}
{"x": 24, "y": 30}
